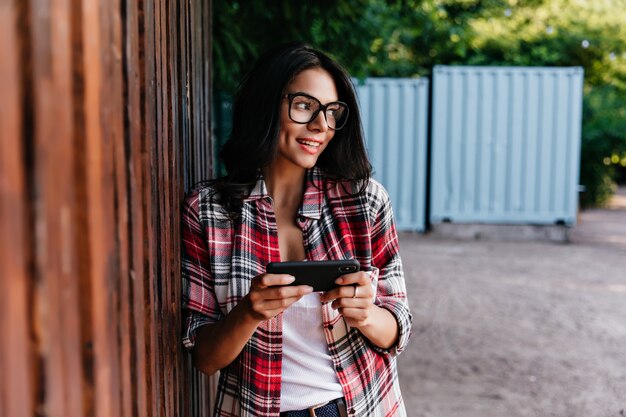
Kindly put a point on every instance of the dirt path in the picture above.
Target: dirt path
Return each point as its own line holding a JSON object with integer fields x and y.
{"x": 519, "y": 328}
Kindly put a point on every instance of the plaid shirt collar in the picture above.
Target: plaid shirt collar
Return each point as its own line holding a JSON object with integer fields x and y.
{"x": 313, "y": 193}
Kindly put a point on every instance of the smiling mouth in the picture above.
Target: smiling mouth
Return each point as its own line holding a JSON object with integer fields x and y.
{"x": 309, "y": 143}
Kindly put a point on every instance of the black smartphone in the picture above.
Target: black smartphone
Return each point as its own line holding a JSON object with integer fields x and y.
{"x": 320, "y": 275}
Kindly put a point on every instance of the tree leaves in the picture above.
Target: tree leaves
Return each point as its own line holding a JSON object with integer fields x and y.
{"x": 406, "y": 38}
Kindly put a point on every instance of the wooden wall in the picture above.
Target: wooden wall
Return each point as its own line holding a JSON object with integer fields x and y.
{"x": 104, "y": 122}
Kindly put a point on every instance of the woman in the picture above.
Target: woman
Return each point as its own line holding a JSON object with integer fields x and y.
{"x": 298, "y": 188}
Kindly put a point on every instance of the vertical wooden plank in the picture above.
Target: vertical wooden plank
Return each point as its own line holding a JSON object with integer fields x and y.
{"x": 81, "y": 221}
{"x": 185, "y": 54}
{"x": 149, "y": 102}
{"x": 136, "y": 143}
{"x": 115, "y": 114}
{"x": 160, "y": 18}
{"x": 16, "y": 386}
{"x": 188, "y": 81}
{"x": 199, "y": 161}
{"x": 187, "y": 129}
{"x": 172, "y": 197}
{"x": 168, "y": 118}
{"x": 103, "y": 253}
{"x": 56, "y": 296}
{"x": 171, "y": 351}
{"x": 206, "y": 52}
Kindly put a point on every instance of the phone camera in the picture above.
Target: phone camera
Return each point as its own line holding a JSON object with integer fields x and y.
{"x": 347, "y": 269}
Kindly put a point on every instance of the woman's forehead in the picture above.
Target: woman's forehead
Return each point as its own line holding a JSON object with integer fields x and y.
{"x": 316, "y": 82}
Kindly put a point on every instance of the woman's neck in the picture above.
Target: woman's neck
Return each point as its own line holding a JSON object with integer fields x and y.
{"x": 285, "y": 184}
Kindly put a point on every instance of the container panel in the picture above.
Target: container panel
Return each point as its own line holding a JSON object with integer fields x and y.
{"x": 505, "y": 144}
{"x": 395, "y": 117}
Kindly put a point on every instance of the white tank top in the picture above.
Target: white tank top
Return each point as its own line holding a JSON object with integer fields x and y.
{"x": 308, "y": 376}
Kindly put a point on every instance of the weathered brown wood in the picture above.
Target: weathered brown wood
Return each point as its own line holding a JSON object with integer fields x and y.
{"x": 103, "y": 268}
{"x": 115, "y": 119}
{"x": 135, "y": 128}
{"x": 81, "y": 220}
{"x": 56, "y": 325}
{"x": 200, "y": 156}
{"x": 172, "y": 203}
{"x": 106, "y": 109}
{"x": 160, "y": 17}
{"x": 16, "y": 367}
{"x": 149, "y": 105}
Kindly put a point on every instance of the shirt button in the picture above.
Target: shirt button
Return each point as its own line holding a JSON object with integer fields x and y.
{"x": 339, "y": 368}
{"x": 301, "y": 219}
{"x": 330, "y": 327}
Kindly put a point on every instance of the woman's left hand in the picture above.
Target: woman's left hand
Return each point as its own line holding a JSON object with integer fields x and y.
{"x": 353, "y": 298}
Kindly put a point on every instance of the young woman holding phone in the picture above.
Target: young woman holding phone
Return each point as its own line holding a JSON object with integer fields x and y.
{"x": 297, "y": 187}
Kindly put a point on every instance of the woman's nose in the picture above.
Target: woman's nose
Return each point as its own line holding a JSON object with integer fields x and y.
{"x": 319, "y": 122}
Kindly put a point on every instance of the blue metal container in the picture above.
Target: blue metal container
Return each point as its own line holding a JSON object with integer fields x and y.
{"x": 506, "y": 144}
{"x": 395, "y": 122}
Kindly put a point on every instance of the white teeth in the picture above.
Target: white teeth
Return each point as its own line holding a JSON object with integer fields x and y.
{"x": 309, "y": 143}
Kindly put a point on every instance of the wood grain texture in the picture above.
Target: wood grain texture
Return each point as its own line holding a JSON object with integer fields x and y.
{"x": 17, "y": 370}
{"x": 105, "y": 123}
{"x": 55, "y": 297}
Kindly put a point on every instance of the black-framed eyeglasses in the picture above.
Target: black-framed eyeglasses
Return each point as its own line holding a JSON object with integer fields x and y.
{"x": 304, "y": 108}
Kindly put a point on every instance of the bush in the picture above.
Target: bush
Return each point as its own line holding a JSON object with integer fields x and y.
{"x": 603, "y": 143}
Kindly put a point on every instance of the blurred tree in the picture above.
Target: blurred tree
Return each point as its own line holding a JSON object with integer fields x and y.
{"x": 405, "y": 38}
{"x": 243, "y": 30}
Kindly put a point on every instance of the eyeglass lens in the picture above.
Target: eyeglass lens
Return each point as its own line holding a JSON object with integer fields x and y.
{"x": 305, "y": 108}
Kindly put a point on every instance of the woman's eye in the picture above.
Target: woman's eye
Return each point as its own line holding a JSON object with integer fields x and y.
{"x": 302, "y": 105}
{"x": 334, "y": 111}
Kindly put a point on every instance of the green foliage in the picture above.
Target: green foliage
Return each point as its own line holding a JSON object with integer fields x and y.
{"x": 405, "y": 38}
{"x": 604, "y": 142}
{"x": 243, "y": 30}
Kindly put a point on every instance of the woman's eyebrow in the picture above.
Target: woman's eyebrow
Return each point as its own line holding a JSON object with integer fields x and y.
{"x": 312, "y": 96}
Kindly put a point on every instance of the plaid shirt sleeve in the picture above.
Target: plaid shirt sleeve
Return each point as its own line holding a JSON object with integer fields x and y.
{"x": 199, "y": 299}
{"x": 391, "y": 287}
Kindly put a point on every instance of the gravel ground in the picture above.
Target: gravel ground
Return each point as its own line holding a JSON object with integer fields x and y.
{"x": 514, "y": 328}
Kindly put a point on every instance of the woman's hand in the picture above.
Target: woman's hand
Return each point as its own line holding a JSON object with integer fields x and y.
{"x": 219, "y": 343}
{"x": 353, "y": 298}
{"x": 270, "y": 295}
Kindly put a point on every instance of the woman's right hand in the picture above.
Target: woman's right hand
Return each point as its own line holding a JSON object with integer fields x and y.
{"x": 219, "y": 343}
{"x": 270, "y": 295}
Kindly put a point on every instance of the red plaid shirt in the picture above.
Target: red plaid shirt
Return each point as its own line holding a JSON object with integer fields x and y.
{"x": 220, "y": 257}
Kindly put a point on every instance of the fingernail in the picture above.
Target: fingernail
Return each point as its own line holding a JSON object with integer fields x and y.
{"x": 290, "y": 278}
{"x": 309, "y": 289}
{"x": 339, "y": 281}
